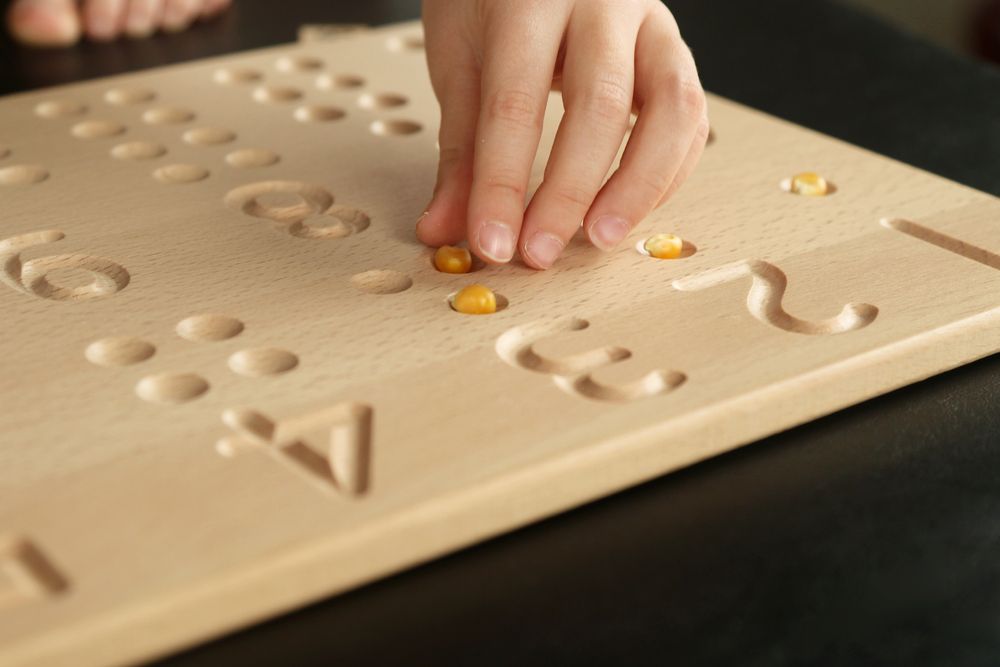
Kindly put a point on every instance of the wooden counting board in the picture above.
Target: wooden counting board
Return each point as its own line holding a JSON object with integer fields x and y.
{"x": 232, "y": 382}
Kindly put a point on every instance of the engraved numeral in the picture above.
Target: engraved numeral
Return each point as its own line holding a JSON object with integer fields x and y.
{"x": 766, "y": 293}
{"x": 312, "y": 216}
{"x": 575, "y": 374}
{"x": 31, "y": 277}
{"x": 25, "y": 573}
{"x": 945, "y": 242}
{"x": 331, "y": 449}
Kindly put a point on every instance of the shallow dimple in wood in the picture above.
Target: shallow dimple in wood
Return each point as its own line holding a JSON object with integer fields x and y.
{"x": 168, "y": 116}
{"x": 209, "y": 136}
{"x": 209, "y": 328}
{"x": 171, "y": 388}
{"x": 129, "y": 96}
{"x": 381, "y": 281}
{"x": 303, "y": 63}
{"x": 230, "y": 76}
{"x": 317, "y": 113}
{"x": 60, "y": 109}
{"x": 97, "y": 129}
{"x": 138, "y": 150}
{"x": 119, "y": 351}
{"x": 23, "y": 174}
{"x": 395, "y": 127}
{"x": 339, "y": 81}
{"x": 138, "y": 310}
{"x": 26, "y": 574}
{"x": 174, "y": 174}
{"x": 375, "y": 101}
{"x": 262, "y": 361}
{"x": 252, "y": 158}
{"x": 273, "y": 94}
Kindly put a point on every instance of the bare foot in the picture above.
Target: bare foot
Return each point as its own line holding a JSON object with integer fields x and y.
{"x": 63, "y": 22}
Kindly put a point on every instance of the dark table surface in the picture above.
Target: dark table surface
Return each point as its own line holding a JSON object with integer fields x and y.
{"x": 869, "y": 537}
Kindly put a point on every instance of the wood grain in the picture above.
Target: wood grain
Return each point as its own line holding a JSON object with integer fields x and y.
{"x": 233, "y": 383}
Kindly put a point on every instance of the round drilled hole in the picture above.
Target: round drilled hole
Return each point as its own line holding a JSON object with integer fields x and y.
{"x": 808, "y": 184}
{"x": 374, "y": 101}
{"x": 262, "y": 361}
{"x": 394, "y": 128}
{"x": 276, "y": 94}
{"x": 138, "y": 150}
{"x": 171, "y": 388}
{"x": 382, "y": 281}
{"x": 168, "y": 116}
{"x": 173, "y": 174}
{"x": 60, "y": 109}
{"x": 299, "y": 64}
{"x": 234, "y": 76}
{"x": 502, "y": 303}
{"x": 209, "y": 328}
{"x": 406, "y": 43}
{"x": 23, "y": 174}
{"x": 97, "y": 129}
{"x": 129, "y": 96}
{"x": 209, "y": 136}
{"x": 252, "y": 158}
{"x": 122, "y": 351}
{"x": 688, "y": 249}
{"x": 318, "y": 114}
{"x": 339, "y": 81}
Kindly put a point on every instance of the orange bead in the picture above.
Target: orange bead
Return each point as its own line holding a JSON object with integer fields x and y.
{"x": 664, "y": 246}
{"x": 449, "y": 259}
{"x": 809, "y": 184}
{"x": 475, "y": 300}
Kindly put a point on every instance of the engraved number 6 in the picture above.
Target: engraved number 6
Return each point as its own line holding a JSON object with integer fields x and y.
{"x": 31, "y": 277}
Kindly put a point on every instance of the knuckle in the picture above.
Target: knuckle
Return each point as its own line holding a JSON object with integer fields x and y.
{"x": 573, "y": 197}
{"x": 517, "y": 108}
{"x": 506, "y": 183}
{"x": 649, "y": 187}
{"x": 608, "y": 99}
{"x": 452, "y": 156}
{"x": 685, "y": 93}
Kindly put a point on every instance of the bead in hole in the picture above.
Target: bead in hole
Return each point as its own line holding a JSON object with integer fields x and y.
{"x": 688, "y": 249}
{"x": 477, "y": 299}
{"x": 808, "y": 184}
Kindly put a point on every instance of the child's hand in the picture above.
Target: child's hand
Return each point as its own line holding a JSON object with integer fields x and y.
{"x": 492, "y": 63}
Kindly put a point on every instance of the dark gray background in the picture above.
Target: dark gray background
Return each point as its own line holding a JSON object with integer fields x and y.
{"x": 868, "y": 537}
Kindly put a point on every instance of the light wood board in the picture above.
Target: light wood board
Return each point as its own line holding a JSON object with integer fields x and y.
{"x": 232, "y": 383}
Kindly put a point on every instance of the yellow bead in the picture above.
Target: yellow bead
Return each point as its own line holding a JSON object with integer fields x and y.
{"x": 449, "y": 259}
{"x": 664, "y": 246}
{"x": 475, "y": 300}
{"x": 809, "y": 184}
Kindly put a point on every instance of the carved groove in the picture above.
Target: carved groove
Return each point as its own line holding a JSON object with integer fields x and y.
{"x": 25, "y": 573}
{"x": 764, "y": 301}
{"x": 330, "y": 449}
{"x": 574, "y": 374}
{"x": 945, "y": 242}
{"x": 31, "y": 277}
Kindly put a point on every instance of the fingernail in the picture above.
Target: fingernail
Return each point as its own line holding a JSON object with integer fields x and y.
{"x": 496, "y": 241}
{"x": 608, "y": 232}
{"x": 544, "y": 249}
